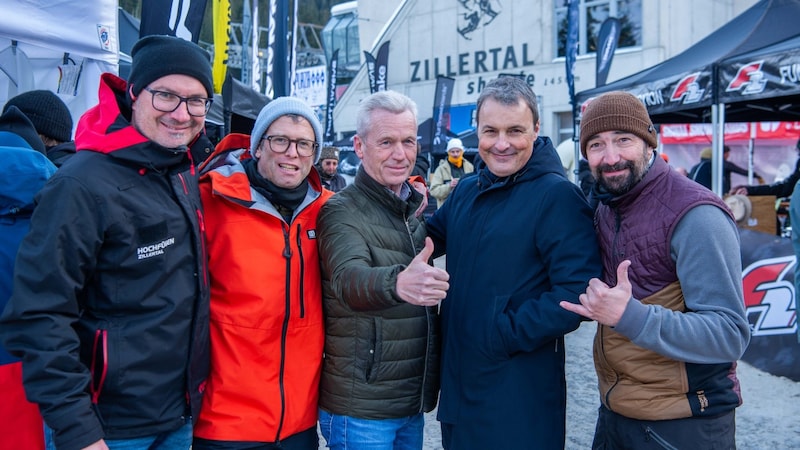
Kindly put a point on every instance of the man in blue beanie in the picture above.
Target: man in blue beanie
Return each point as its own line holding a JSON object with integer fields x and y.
{"x": 109, "y": 312}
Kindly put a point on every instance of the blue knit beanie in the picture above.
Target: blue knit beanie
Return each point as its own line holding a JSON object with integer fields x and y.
{"x": 280, "y": 107}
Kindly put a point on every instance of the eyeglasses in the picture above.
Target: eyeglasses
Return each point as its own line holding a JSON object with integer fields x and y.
{"x": 280, "y": 144}
{"x": 169, "y": 102}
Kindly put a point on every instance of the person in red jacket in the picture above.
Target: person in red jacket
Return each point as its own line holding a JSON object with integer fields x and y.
{"x": 267, "y": 332}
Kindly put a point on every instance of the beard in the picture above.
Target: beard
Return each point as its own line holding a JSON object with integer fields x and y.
{"x": 621, "y": 184}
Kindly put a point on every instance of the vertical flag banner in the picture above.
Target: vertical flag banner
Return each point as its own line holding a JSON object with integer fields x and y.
{"x": 382, "y": 67}
{"x": 277, "y": 69}
{"x": 572, "y": 47}
{"x": 441, "y": 113}
{"x": 221, "y": 13}
{"x": 330, "y": 133}
{"x": 607, "y": 40}
{"x": 255, "y": 72}
{"x": 293, "y": 55}
{"x": 181, "y": 18}
{"x": 370, "y": 61}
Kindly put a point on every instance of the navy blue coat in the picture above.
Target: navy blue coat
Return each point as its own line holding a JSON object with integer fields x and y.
{"x": 516, "y": 247}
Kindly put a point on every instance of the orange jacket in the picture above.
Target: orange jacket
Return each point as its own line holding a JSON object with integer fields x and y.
{"x": 266, "y": 308}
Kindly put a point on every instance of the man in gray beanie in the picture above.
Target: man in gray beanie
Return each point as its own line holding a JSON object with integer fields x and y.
{"x": 113, "y": 334}
{"x": 262, "y": 197}
{"x": 669, "y": 305}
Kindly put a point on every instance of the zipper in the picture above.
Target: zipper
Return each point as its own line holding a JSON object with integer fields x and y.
{"x": 201, "y": 224}
{"x": 302, "y": 272}
{"x": 658, "y": 439}
{"x": 287, "y": 254}
{"x": 100, "y": 340}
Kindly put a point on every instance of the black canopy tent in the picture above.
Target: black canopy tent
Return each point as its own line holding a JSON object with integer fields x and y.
{"x": 765, "y": 82}
{"x": 686, "y": 88}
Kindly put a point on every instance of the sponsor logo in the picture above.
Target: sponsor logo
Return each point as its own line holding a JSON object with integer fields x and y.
{"x": 749, "y": 79}
{"x": 475, "y": 14}
{"x": 149, "y": 251}
{"x": 768, "y": 298}
{"x": 688, "y": 90}
{"x": 312, "y": 234}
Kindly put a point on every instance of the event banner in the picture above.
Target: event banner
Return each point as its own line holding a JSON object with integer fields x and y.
{"x": 330, "y": 133}
{"x": 441, "y": 113}
{"x": 221, "y": 14}
{"x": 377, "y": 68}
{"x": 277, "y": 69}
{"x": 768, "y": 264}
{"x": 181, "y": 18}
{"x": 607, "y": 44}
{"x": 572, "y": 47}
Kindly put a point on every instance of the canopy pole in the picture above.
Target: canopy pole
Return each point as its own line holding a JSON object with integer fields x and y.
{"x": 751, "y": 148}
{"x": 717, "y": 138}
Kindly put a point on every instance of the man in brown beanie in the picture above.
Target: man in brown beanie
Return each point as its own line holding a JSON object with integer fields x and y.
{"x": 113, "y": 329}
{"x": 52, "y": 120}
{"x": 328, "y": 169}
{"x": 669, "y": 306}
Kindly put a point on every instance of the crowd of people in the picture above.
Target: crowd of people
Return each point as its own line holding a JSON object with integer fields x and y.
{"x": 158, "y": 292}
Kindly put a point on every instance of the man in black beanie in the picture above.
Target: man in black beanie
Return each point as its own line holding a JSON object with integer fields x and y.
{"x": 114, "y": 333}
{"x": 52, "y": 120}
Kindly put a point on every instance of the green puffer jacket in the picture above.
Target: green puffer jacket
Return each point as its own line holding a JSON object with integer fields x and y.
{"x": 381, "y": 353}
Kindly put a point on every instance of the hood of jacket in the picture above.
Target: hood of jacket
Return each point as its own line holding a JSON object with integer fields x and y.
{"x": 24, "y": 171}
{"x": 106, "y": 128}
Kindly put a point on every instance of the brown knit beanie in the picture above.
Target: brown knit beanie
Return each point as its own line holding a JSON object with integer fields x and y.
{"x": 617, "y": 111}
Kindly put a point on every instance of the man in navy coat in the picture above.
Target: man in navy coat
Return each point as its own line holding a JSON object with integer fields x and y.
{"x": 519, "y": 239}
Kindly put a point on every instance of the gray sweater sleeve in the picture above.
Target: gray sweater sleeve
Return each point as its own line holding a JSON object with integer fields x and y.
{"x": 705, "y": 248}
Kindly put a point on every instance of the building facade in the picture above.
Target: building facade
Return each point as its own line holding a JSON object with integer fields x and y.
{"x": 474, "y": 41}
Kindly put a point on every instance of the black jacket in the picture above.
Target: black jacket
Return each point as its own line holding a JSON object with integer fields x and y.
{"x": 109, "y": 312}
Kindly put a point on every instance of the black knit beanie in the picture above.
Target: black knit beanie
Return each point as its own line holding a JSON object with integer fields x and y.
{"x": 14, "y": 121}
{"x": 48, "y": 113}
{"x": 155, "y": 56}
{"x": 617, "y": 111}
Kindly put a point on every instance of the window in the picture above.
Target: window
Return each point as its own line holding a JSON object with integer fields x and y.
{"x": 564, "y": 121}
{"x": 341, "y": 32}
{"x": 591, "y": 14}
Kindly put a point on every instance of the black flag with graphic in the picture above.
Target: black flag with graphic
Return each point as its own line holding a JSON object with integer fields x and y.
{"x": 330, "y": 133}
{"x": 181, "y": 18}
{"x": 441, "y": 113}
{"x": 606, "y": 46}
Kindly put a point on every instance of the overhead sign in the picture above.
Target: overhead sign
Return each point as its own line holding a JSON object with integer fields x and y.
{"x": 310, "y": 84}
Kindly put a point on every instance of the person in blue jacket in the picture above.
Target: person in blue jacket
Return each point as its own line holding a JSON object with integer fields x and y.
{"x": 531, "y": 245}
{"x": 24, "y": 171}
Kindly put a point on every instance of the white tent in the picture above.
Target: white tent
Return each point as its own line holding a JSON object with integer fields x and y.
{"x": 58, "y": 46}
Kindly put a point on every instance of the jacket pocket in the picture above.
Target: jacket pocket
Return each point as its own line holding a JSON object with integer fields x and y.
{"x": 495, "y": 347}
{"x": 99, "y": 364}
{"x": 374, "y": 350}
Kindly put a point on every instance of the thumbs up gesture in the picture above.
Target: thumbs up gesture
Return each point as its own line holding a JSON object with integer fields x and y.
{"x": 603, "y": 303}
{"x": 420, "y": 283}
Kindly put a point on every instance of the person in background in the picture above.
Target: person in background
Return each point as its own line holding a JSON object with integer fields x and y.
{"x": 779, "y": 189}
{"x": 381, "y": 367}
{"x": 450, "y": 171}
{"x": 669, "y": 306}
{"x": 52, "y": 120}
{"x": 421, "y": 164}
{"x": 24, "y": 171}
{"x": 518, "y": 238}
{"x": 113, "y": 335}
{"x": 328, "y": 169}
{"x": 261, "y": 199}
{"x": 701, "y": 172}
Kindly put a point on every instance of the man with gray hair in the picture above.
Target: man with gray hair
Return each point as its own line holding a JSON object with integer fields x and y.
{"x": 381, "y": 295}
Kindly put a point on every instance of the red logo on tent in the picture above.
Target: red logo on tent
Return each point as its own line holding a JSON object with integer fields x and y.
{"x": 749, "y": 79}
{"x": 688, "y": 90}
{"x": 768, "y": 298}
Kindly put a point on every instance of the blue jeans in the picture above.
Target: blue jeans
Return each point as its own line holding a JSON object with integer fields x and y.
{"x": 180, "y": 439}
{"x": 350, "y": 433}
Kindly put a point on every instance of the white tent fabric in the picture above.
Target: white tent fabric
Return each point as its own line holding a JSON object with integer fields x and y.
{"x": 59, "y": 46}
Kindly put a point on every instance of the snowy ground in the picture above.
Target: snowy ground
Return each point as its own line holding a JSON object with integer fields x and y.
{"x": 768, "y": 419}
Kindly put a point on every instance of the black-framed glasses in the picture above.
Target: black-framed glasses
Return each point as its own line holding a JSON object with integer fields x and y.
{"x": 280, "y": 144}
{"x": 168, "y": 102}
